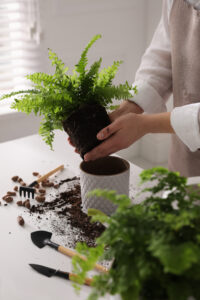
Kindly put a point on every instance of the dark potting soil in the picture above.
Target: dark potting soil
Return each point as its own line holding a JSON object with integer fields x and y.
{"x": 67, "y": 207}
{"x": 83, "y": 125}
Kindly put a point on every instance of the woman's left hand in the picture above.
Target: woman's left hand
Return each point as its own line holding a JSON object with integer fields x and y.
{"x": 127, "y": 129}
{"x": 120, "y": 134}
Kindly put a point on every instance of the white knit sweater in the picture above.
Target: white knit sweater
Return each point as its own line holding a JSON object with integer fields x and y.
{"x": 148, "y": 85}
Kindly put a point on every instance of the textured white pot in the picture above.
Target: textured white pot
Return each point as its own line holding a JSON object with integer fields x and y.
{"x": 110, "y": 173}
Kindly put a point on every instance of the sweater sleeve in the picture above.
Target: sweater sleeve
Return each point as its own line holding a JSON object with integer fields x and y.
{"x": 154, "y": 83}
{"x": 186, "y": 120}
{"x": 154, "y": 76}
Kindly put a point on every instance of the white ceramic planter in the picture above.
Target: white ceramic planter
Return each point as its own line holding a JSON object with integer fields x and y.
{"x": 110, "y": 173}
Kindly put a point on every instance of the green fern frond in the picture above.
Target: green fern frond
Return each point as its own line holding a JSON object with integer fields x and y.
{"x": 56, "y": 104}
{"x": 47, "y": 127}
{"x": 107, "y": 94}
{"x": 41, "y": 79}
{"x": 112, "y": 107}
{"x": 45, "y": 82}
{"x": 134, "y": 89}
{"x": 28, "y": 104}
{"x": 47, "y": 131}
{"x": 75, "y": 79}
{"x": 94, "y": 69}
{"x": 60, "y": 66}
{"x": 18, "y": 93}
{"x": 106, "y": 76}
{"x": 81, "y": 65}
{"x": 87, "y": 82}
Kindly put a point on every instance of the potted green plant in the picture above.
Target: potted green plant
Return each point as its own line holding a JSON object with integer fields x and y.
{"x": 76, "y": 103}
{"x": 155, "y": 245}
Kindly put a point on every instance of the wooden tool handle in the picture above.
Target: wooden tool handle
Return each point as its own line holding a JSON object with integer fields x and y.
{"x": 50, "y": 173}
{"x": 72, "y": 253}
{"x": 73, "y": 277}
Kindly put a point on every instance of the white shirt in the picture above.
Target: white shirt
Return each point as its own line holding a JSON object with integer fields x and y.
{"x": 148, "y": 84}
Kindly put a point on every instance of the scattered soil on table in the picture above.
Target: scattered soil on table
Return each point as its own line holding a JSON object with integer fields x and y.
{"x": 67, "y": 206}
{"x": 61, "y": 211}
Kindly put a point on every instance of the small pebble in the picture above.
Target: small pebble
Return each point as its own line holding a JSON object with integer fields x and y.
{"x": 11, "y": 193}
{"x": 8, "y": 199}
{"x": 15, "y": 178}
{"x": 16, "y": 188}
{"x": 27, "y": 204}
{"x": 42, "y": 191}
{"x": 49, "y": 184}
{"x": 35, "y": 173}
{"x": 40, "y": 198}
{"x": 20, "y": 220}
{"x": 19, "y": 203}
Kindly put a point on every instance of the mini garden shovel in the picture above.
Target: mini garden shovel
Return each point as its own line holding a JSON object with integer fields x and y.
{"x": 49, "y": 272}
{"x": 42, "y": 238}
{"x": 30, "y": 190}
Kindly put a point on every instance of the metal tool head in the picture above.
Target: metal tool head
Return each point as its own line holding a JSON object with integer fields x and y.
{"x": 43, "y": 270}
{"x": 41, "y": 238}
{"x": 27, "y": 191}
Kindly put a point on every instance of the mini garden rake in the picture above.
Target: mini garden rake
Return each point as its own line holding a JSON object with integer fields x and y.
{"x": 30, "y": 188}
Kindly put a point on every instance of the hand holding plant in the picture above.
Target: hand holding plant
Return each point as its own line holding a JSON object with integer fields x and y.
{"x": 120, "y": 134}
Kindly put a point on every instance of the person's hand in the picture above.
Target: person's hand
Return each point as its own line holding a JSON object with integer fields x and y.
{"x": 120, "y": 134}
{"x": 126, "y": 130}
{"x": 125, "y": 107}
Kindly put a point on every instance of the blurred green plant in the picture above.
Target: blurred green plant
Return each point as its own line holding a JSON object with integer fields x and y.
{"x": 155, "y": 245}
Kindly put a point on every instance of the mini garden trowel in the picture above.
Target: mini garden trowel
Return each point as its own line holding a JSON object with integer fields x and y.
{"x": 49, "y": 272}
{"x": 42, "y": 238}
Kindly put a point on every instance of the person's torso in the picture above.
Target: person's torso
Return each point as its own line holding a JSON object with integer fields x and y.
{"x": 184, "y": 25}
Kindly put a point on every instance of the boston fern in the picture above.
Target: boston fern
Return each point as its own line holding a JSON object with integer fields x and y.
{"x": 155, "y": 245}
{"x": 57, "y": 96}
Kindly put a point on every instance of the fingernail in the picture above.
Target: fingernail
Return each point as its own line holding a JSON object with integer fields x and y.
{"x": 100, "y": 135}
{"x": 86, "y": 158}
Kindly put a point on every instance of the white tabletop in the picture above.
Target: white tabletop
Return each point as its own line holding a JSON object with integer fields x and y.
{"x": 17, "y": 280}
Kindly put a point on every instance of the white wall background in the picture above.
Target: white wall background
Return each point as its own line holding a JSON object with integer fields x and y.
{"x": 126, "y": 26}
